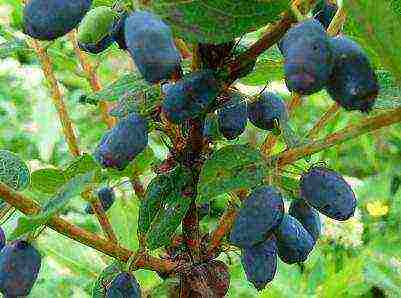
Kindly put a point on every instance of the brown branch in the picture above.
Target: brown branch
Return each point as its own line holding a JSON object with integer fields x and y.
{"x": 337, "y": 22}
{"x": 103, "y": 220}
{"x": 330, "y": 114}
{"x": 225, "y": 225}
{"x": 57, "y": 98}
{"x": 29, "y": 207}
{"x": 92, "y": 78}
{"x": 183, "y": 48}
{"x": 352, "y": 131}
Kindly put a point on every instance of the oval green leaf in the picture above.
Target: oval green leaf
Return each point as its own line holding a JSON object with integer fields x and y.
{"x": 218, "y": 21}
{"x": 229, "y": 169}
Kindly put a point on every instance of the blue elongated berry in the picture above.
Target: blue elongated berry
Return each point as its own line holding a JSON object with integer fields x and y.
{"x": 262, "y": 212}
{"x": 294, "y": 243}
{"x": 150, "y": 42}
{"x": 353, "y": 83}
{"x": 106, "y": 197}
{"x": 233, "y": 117}
{"x": 328, "y": 192}
{"x": 307, "y": 216}
{"x": 2, "y": 239}
{"x": 309, "y": 58}
{"x": 260, "y": 263}
{"x": 19, "y": 267}
{"x": 124, "y": 285}
{"x": 191, "y": 96}
{"x": 123, "y": 142}
{"x": 50, "y": 19}
{"x": 267, "y": 110}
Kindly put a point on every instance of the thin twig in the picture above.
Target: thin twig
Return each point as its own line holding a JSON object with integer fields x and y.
{"x": 365, "y": 126}
{"x": 326, "y": 117}
{"x": 92, "y": 77}
{"x": 29, "y": 207}
{"x": 225, "y": 225}
{"x": 103, "y": 220}
{"x": 57, "y": 98}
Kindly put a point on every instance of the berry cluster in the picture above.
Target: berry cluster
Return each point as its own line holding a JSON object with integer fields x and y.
{"x": 314, "y": 61}
{"x": 201, "y": 105}
{"x": 264, "y": 231}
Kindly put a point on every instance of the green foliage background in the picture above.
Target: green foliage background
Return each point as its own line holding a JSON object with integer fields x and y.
{"x": 351, "y": 259}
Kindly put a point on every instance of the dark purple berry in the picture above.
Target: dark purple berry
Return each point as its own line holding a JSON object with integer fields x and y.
{"x": 294, "y": 243}
{"x": 353, "y": 83}
{"x": 123, "y": 142}
{"x": 124, "y": 285}
{"x": 191, "y": 96}
{"x": 106, "y": 197}
{"x": 19, "y": 267}
{"x": 262, "y": 212}
{"x": 50, "y": 19}
{"x": 2, "y": 239}
{"x": 308, "y": 57}
{"x": 328, "y": 192}
{"x": 267, "y": 110}
{"x": 307, "y": 216}
{"x": 150, "y": 43}
{"x": 260, "y": 263}
{"x": 233, "y": 117}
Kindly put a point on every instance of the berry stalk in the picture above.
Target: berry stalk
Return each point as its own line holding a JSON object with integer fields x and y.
{"x": 57, "y": 98}
{"x": 92, "y": 78}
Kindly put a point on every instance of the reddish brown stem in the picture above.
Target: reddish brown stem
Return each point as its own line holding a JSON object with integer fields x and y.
{"x": 352, "y": 131}
{"x": 326, "y": 117}
{"x": 57, "y": 98}
{"x": 92, "y": 78}
{"x": 224, "y": 226}
{"x": 104, "y": 221}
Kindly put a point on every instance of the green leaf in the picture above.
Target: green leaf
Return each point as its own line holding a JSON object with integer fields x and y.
{"x": 131, "y": 85}
{"x": 228, "y": 169}
{"x": 158, "y": 189}
{"x": 13, "y": 171}
{"x": 123, "y": 217}
{"x": 167, "y": 221}
{"x": 268, "y": 68}
{"x": 48, "y": 181}
{"x": 104, "y": 278}
{"x": 176, "y": 205}
{"x": 80, "y": 165}
{"x": 143, "y": 161}
{"x": 218, "y": 21}
{"x": 71, "y": 189}
{"x": 380, "y": 27}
